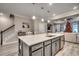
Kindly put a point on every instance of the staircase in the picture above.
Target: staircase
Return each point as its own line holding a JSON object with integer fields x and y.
{"x": 9, "y": 36}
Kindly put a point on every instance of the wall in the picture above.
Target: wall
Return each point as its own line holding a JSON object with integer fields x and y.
{"x": 42, "y": 27}
{"x": 36, "y": 26}
{"x": 53, "y": 28}
{"x": 39, "y": 27}
{"x": 11, "y": 34}
{"x": 19, "y": 20}
{"x": 5, "y": 22}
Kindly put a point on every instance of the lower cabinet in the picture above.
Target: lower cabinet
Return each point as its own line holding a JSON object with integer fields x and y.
{"x": 20, "y": 48}
{"x": 56, "y": 46}
{"x": 48, "y": 50}
{"x": 38, "y": 52}
{"x": 62, "y": 42}
{"x": 25, "y": 50}
{"x": 53, "y": 48}
{"x": 77, "y": 38}
{"x": 70, "y": 37}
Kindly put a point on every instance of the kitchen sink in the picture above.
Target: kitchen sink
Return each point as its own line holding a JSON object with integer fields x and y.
{"x": 50, "y": 35}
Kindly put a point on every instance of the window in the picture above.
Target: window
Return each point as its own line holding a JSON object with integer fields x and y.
{"x": 75, "y": 26}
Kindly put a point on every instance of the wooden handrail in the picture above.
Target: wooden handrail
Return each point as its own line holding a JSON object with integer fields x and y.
{"x": 8, "y": 28}
{"x": 4, "y": 31}
{"x": 1, "y": 38}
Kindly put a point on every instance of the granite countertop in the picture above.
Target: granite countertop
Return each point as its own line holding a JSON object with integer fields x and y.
{"x": 34, "y": 39}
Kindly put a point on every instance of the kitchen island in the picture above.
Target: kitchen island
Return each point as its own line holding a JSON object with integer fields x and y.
{"x": 40, "y": 44}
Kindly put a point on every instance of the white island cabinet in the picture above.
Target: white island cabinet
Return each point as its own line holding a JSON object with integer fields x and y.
{"x": 47, "y": 48}
{"x": 40, "y": 44}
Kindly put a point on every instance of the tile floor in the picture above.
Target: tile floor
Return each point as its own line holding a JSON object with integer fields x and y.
{"x": 9, "y": 50}
{"x": 69, "y": 49}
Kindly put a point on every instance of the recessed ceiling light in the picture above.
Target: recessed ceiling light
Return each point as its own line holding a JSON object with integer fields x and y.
{"x": 1, "y": 14}
{"x": 48, "y": 21}
{"x": 75, "y": 7}
{"x": 50, "y": 4}
{"x": 42, "y": 20}
{"x": 54, "y": 14}
{"x": 33, "y": 17}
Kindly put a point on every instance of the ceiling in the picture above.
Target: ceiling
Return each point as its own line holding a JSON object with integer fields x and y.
{"x": 43, "y": 10}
